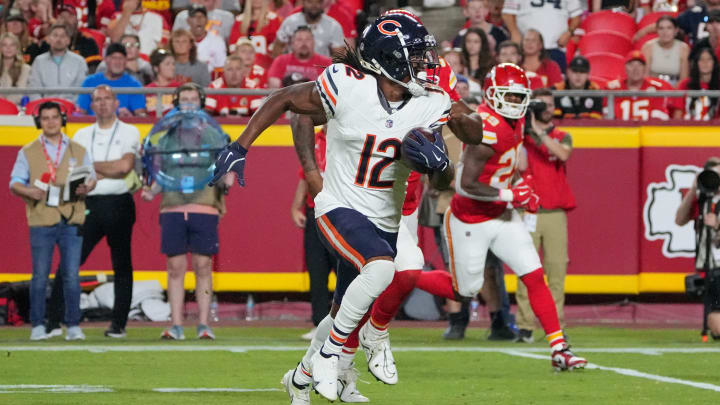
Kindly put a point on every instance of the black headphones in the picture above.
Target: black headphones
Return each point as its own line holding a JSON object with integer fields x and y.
{"x": 192, "y": 87}
{"x": 48, "y": 105}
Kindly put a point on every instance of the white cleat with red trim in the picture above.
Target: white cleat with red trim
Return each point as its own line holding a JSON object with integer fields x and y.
{"x": 565, "y": 360}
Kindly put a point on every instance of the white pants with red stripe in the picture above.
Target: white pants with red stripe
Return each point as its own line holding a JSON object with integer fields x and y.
{"x": 409, "y": 255}
{"x": 468, "y": 245}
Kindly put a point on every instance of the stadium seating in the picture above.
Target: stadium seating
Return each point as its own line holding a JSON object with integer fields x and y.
{"x": 653, "y": 17}
{"x": 97, "y": 36}
{"x": 7, "y": 107}
{"x": 66, "y": 105}
{"x": 604, "y": 41}
{"x": 605, "y": 65}
{"x": 607, "y": 20}
{"x": 640, "y": 42}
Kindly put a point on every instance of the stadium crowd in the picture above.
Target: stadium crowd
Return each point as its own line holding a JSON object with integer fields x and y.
{"x": 255, "y": 44}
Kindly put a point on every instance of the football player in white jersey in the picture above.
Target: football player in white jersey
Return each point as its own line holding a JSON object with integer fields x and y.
{"x": 371, "y": 98}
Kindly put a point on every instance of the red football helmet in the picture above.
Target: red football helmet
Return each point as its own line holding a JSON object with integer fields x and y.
{"x": 504, "y": 79}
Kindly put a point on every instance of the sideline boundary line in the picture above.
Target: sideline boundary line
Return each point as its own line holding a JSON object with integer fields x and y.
{"x": 628, "y": 372}
{"x": 650, "y": 351}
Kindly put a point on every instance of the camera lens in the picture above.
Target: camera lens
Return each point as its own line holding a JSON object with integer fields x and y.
{"x": 708, "y": 181}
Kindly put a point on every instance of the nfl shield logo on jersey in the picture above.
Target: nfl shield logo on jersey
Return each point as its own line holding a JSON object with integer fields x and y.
{"x": 388, "y": 124}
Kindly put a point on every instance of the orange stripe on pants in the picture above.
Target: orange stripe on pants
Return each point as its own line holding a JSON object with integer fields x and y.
{"x": 344, "y": 249}
{"x": 450, "y": 249}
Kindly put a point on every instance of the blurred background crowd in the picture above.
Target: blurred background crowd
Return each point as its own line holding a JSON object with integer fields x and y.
{"x": 264, "y": 44}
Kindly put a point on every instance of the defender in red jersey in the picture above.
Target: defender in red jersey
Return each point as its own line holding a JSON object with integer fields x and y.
{"x": 481, "y": 217}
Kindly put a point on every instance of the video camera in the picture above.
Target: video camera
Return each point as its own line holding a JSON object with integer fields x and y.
{"x": 535, "y": 108}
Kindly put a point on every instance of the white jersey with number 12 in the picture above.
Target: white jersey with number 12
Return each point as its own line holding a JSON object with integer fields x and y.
{"x": 364, "y": 136}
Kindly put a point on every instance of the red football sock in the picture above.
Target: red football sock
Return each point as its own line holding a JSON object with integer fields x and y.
{"x": 388, "y": 303}
{"x": 543, "y": 306}
{"x": 436, "y": 282}
{"x": 352, "y": 341}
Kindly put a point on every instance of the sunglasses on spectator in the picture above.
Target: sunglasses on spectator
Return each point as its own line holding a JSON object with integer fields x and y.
{"x": 131, "y": 45}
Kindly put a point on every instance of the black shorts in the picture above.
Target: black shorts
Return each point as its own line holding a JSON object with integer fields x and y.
{"x": 189, "y": 233}
{"x": 352, "y": 239}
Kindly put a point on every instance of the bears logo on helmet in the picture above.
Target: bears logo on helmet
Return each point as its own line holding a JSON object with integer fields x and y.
{"x": 503, "y": 80}
{"x": 401, "y": 49}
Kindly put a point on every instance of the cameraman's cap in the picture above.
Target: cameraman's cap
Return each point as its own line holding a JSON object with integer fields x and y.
{"x": 579, "y": 64}
{"x": 15, "y": 15}
{"x": 713, "y": 16}
{"x": 635, "y": 55}
{"x": 115, "y": 47}
{"x": 196, "y": 8}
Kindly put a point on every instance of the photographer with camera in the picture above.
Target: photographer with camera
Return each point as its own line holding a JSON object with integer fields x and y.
{"x": 548, "y": 149}
{"x": 700, "y": 204}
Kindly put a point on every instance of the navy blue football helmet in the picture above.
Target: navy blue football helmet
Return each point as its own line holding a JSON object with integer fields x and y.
{"x": 399, "y": 47}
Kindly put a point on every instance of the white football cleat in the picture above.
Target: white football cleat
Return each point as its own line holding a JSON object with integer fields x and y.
{"x": 565, "y": 360}
{"x": 381, "y": 362}
{"x": 347, "y": 389}
{"x": 298, "y": 396}
{"x": 325, "y": 375}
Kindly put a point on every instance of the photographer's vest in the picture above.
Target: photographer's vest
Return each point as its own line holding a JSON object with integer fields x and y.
{"x": 38, "y": 213}
{"x": 210, "y": 196}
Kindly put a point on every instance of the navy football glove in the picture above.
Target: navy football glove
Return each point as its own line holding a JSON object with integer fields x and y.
{"x": 230, "y": 159}
{"x": 425, "y": 153}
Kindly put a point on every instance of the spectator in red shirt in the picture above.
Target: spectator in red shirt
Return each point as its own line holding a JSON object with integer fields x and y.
{"x": 256, "y": 23}
{"x": 536, "y": 59}
{"x": 640, "y": 108}
{"x": 704, "y": 75}
{"x": 237, "y": 74}
{"x": 163, "y": 65}
{"x": 477, "y": 54}
{"x": 245, "y": 49}
{"x": 39, "y": 18}
{"x": 97, "y": 16}
{"x": 302, "y": 59}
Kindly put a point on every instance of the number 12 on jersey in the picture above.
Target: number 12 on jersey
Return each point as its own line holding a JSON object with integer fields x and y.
{"x": 361, "y": 177}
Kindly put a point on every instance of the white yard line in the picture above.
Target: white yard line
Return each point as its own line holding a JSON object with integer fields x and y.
{"x": 216, "y": 389}
{"x": 170, "y": 347}
{"x": 52, "y": 389}
{"x": 624, "y": 371}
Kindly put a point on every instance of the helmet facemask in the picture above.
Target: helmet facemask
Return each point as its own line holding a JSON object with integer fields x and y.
{"x": 496, "y": 96}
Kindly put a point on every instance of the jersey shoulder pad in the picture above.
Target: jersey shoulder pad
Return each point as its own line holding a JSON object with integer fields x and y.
{"x": 489, "y": 120}
{"x": 336, "y": 84}
{"x": 660, "y": 84}
{"x": 217, "y": 83}
{"x": 439, "y": 105}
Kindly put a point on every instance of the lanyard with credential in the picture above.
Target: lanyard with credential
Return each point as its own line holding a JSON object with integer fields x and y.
{"x": 107, "y": 151}
{"x": 52, "y": 168}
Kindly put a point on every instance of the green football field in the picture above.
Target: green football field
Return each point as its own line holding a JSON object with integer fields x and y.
{"x": 245, "y": 365}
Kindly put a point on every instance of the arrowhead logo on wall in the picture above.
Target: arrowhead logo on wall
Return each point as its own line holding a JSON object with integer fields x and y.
{"x": 663, "y": 200}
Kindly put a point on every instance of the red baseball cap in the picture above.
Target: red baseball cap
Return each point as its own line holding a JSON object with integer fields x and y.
{"x": 65, "y": 7}
{"x": 635, "y": 55}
